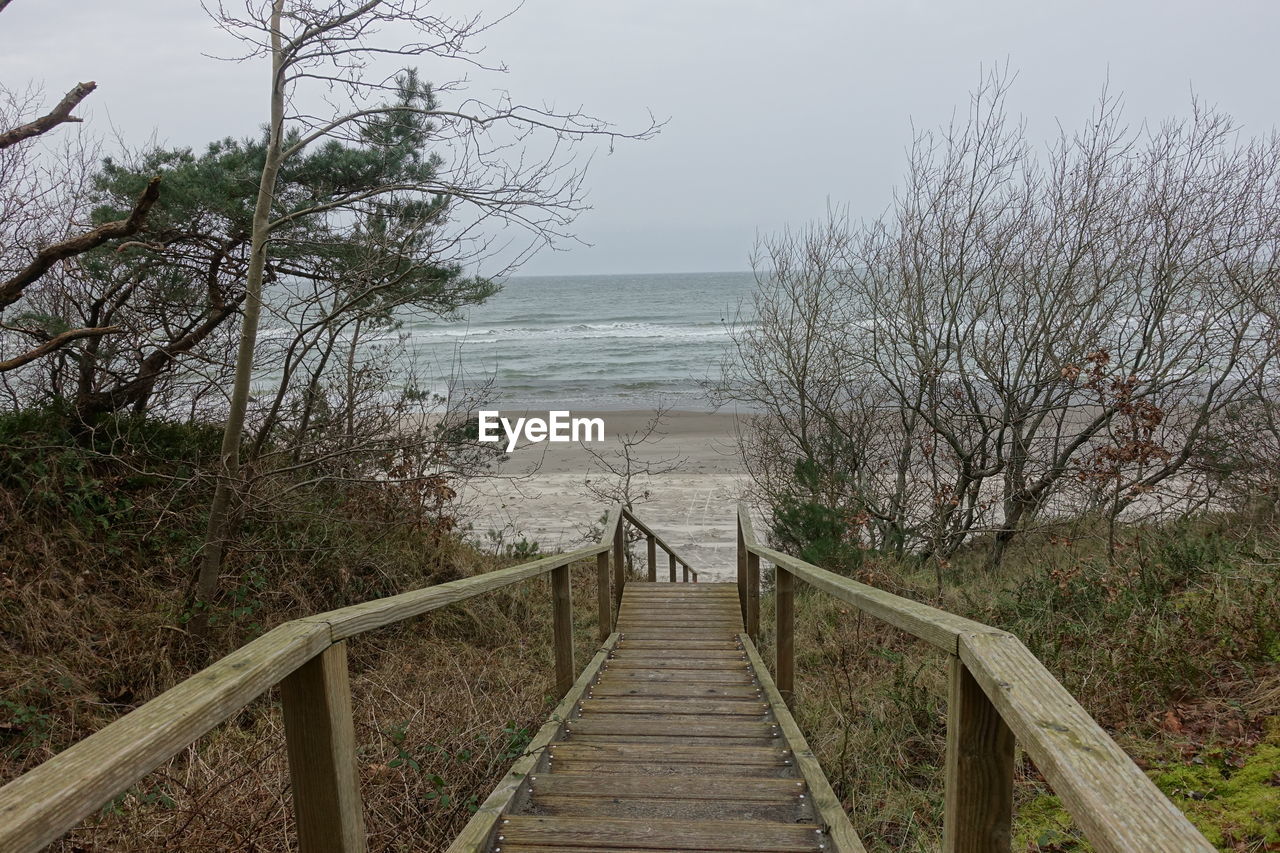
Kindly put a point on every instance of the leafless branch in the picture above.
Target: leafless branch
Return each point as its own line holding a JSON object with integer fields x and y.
{"x": 60, "y": 114}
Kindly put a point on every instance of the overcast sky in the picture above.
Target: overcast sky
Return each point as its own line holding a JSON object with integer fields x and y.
{"x": 776, "y": 108}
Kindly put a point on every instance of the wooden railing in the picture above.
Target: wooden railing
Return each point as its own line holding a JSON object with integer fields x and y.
{"x": 654, "y": 541}
{"x": 998, "y": 693}
{"x": 308, "y": 659}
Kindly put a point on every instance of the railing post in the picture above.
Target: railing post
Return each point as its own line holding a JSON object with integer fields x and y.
{"x": 653, "y": 559}
{"x": 562, "y": 615}
{"x": 604, "y": 600}
{"x": 671, "y": 567}
{"x": 753, "y": 596}
{"x": 742, "y": 573}
{"x": 979, "y": 792}
{"x": 785, "y": 604}
{"x": 685, "y": 574}
{"x": 321, "y": 744}
{"x": 619, "y": 563}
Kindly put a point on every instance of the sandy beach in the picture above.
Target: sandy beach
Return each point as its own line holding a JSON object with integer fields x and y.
{"x": 542, "y": 492}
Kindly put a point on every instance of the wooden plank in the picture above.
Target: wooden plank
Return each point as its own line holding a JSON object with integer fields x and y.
{"x": 320, "y": 740}
{"x": 358, "y": 618}
{"x": 653, "y": 662}
{"x": 619, "y": 561}
{"x": 681, "y": 606}
{"x": 683, "y": 609}
{"x": 708, "y": 676}
{"x": 677, "y": 621}
{"x": 661, "y": 767}
{"x": 930, "y": 624}
{"x": 785, "y": 655}
{"x": 542, "y": 848}
{"x": 674, "y": 690}
{"x": 674, "y": 615}
{"x": 667, "y": 725}
{"x": 40, "y": 806}
{"x": 654, "y": 600}
{"x": 604, "y": 600}
{"x": 748, "y": 707}
{"x": 732, "y": 756}
{"x": 669, "y": 758}
{"x": 479, "y": 829}
{"x": 694, "y": 592}
{"x": 687, "y": 645}
{"x": 779, "y": 810}
{"x": 700, "y": 594}
{"x": 694, "y": 786}
{"x": 612, "y": 522}
{"x": 1112, "y": 801}
{"x": 678, "y": 612}
{"x": 642, "y": 605}
{"x": 726, "y": 586}
{"x": 741, "y": 555}
{"x": 614, "y": 833}
{"x": 681, "y": 589}
{"x": 714, "y": 586}
{"x": 698, "y": 591}
{"x": 842, "y": 838}
{"x": 664, "y": 721}
{"x": 730, "y": 654}
{"x": 935, "y": 626}
{"x": 673, "y": 633}
{"x": 562, "y": 628}
{"x": 753, "y": 596}
{"x": 749, "y": 574}
{"x": 979, "y": 770}
{"x": 671, "y": 739}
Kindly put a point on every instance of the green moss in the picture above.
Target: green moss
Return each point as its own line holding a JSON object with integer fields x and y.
{"x": 1042, "y": 823}
{"x": 1231, "y": 805}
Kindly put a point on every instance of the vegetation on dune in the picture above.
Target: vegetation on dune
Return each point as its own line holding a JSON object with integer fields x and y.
{"x": 1172, "y": 646}
{"x": 1040, "y": 391}
{"x": 99, "y": 531}
{"x": 173, "y": 483}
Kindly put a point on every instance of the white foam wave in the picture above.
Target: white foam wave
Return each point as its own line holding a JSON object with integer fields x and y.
{"x": 578, "y": 331}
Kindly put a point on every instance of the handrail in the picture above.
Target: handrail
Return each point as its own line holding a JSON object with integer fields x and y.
{"x": 673, "y": 556}
{"x": 307, "y": 658}
{"x": 998, "y": 691}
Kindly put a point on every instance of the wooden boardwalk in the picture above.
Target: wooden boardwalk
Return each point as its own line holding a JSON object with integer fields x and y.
{"x": 677, "y": 741}
{"x": 673, "y": 737}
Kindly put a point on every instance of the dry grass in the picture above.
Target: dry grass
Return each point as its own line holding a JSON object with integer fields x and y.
{"x": 443, "y": 706}
{"x": 1175, "y": 649}
{"x": 97, "y": 545}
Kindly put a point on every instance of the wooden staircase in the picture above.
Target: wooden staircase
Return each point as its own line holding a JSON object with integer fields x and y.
{"x": 673, "y": 737}
{"x": 676, "y": 742}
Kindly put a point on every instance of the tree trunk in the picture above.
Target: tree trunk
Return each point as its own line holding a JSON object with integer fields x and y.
{"x": 312, "y": 396}
{"x": 218, "y": 528}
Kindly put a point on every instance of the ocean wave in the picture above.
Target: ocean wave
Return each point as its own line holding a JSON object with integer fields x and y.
{"x": 577, "y": 331}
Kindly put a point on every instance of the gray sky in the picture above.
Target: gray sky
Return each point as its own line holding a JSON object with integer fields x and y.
{"x": 776, "y": 108}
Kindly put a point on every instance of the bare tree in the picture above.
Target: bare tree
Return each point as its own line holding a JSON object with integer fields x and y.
{"x": 622, "y": 472}
{"x": 1017, "y": 323}
{"x": 328, "y": 88}
{"x": 39, "y": 231}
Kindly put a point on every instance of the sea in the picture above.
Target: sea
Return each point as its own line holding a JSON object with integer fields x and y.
{"x": 607, "y": 342}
